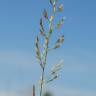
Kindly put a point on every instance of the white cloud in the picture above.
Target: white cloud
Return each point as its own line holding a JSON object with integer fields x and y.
{"x": 7, "y": 94}
{"x": 71, "y": 92}
{"x": 57, "y": 91}
{"x": 23, "y": 58}
{"x": 15, "y": 57}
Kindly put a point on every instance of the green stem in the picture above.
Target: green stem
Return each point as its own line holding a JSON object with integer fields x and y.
{"x": 42, "y": 79}
{"x": 44, "y": 63}
{"x": 43, "y": 70}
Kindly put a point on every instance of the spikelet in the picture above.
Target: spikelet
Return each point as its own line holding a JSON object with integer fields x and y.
{"x": 60, "y": 8}
{"x": 59, "y": 42}
{"x": 45, "y": 14}
{"x": 59, "y": 24}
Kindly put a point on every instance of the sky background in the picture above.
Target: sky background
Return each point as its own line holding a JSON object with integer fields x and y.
{"x": 19, "y": 70}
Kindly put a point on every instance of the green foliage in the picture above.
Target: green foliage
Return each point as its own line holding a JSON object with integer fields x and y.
{"x": 48, "y": 94}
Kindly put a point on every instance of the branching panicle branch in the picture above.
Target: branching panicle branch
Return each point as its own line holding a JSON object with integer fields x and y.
{"x": 43, "y": 58}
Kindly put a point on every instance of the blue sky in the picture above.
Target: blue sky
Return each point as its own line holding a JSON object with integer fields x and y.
{"x": 19, "y": 24}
